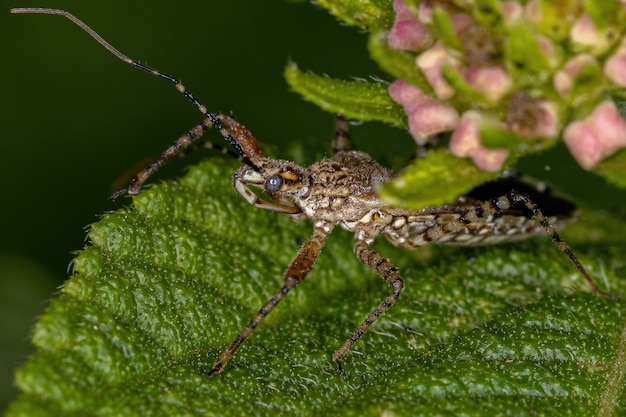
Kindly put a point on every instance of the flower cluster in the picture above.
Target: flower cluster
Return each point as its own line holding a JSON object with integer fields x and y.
{"x": 531, "y": 71}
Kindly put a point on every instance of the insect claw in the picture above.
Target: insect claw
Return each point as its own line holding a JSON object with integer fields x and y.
{"x": 339, "y": 367}
{"x": 606, "y": 294}
{"x": 118, "y": 193}
{"x": 217, "y": 368}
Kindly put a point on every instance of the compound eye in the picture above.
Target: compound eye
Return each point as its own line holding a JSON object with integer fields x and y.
{"x": 274, "y": 183}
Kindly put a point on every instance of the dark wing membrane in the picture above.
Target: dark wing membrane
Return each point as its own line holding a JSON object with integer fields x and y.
{"x": 550, "y": 204}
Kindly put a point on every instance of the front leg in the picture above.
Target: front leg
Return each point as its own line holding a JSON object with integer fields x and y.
{"x": 173, "y": 151}
{"x": 240, "y": 138}
{"x": 296, "y": 273}
{"x": 387, "y": 271}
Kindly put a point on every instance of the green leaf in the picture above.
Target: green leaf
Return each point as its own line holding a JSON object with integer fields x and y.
{"x": 604, "y": 13}
{"x": 165, "y": 285}
{"x": 399, "y": 64}
{"x": 360, "y": 100}
{"x": 613, "y": 169}
{"x": 434, "y": 181}
{"x": 524, "y": 56}
{"x": 488, "y": 13}
{"x": 468, "y": 97}
{"x": 366, "y": 14}
{"x": 442, "y": 25}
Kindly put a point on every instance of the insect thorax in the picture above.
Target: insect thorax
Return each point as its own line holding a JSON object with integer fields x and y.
{"x": 343, "y": 189}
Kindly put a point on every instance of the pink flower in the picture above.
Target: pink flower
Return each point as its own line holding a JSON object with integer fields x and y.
{"x": 615, "y": 66}
{"x": 584, "y": 32}
{"x": 407, "y": 32}
{"x": 563, "y": 80}
{"x": 408, "y": 96}
{"x": 550, "y": 52}
{"x": 493, "y": 81}
{"x": 431, "y": 62}
{"x": 465, "y": 142}
{"x": 601, "y": 134}
{"x": 532, "y": 11}
{"x": 462, "y": 23}
{"x": 511, "y": 12}
{"x": 584, "y": 35}
{"x": 471, "y": 71}
{"x": 426, "y": 115}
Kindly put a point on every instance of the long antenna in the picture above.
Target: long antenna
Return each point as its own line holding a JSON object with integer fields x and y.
{"x": 212, "y": 118}
{"x": 82, "y": 25}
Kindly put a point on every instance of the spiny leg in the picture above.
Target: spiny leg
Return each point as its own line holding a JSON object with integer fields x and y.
{"x": 188, "y": 142}
{"x": 208, "y": 144}
{"x": 342, "y": 139}
{"x": 172, "y": 151}
{"x": 512, "y": 198}
{"x": 387, "y": 271}
{"x": 296, "y": 273}
{"x": 229, "y": 128}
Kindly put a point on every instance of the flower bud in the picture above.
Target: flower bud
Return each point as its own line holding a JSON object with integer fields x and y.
{"x": 601, "y": 134}
{"x": 465, "y": 142}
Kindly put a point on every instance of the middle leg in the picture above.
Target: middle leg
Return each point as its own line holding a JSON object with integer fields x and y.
{"x": 387, "y": 271}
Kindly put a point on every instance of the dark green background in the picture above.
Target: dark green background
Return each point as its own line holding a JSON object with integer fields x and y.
{"x": 74, "y": 118}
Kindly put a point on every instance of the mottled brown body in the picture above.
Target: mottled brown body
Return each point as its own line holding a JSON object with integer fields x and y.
{"x": 341, "y": 191}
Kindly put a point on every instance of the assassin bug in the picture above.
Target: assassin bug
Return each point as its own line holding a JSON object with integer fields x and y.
{"x": 341, "y": 191}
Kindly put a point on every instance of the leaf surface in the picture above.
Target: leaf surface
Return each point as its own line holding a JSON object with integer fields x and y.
{"x": 165, "y": 285}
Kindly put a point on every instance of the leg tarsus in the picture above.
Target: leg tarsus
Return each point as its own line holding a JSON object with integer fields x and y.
{"x": 115, "y": 195}
{"x": 598, "y": 292}
{"x": 339, "y": 367}
{"x": 216, "y": 369}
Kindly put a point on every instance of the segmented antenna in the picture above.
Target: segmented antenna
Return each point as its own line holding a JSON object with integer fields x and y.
{"x": 212, "y": 119}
